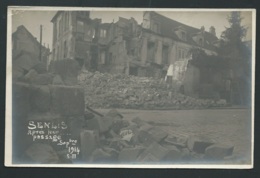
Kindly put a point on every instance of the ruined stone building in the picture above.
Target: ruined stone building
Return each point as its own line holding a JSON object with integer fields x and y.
{"x": 95, "y": 45}
{"x": 125, "y": 46}
{"x": 145, "y": 49}
{"x": 26, "y": 50}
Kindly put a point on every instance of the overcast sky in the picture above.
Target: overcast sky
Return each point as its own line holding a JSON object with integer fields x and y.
{"x": 33, "y": 19}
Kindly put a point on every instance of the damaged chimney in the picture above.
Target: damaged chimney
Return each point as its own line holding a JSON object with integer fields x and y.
{"x": 212, "y": 30}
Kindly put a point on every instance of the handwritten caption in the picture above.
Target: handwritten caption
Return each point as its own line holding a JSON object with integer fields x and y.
{"x": 54, "y": 132}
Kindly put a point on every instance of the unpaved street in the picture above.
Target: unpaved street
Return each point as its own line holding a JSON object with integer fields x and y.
{"x": 224, "y": 125}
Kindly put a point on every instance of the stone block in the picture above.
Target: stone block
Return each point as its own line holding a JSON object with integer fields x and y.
{"x": 17, "y": 72}
{"x": 40, "y": 98}
{"x": 118, "y": 124}
{"x": 67, "y": 101}
{"x": 177, "y": 139}
{"x": 70, "y": 81}
{"x": 57, "y": 80}
{"x": 76, "y": 126}
{"x": 25, "y": 61}
{"x": 101, "y": 124}
{"x": 138, "y": 121}
{"x": 154, "y": 153}
{"x": 145, "y": 138}
{"x": 30, "y": 75}
{"x": 42, "y": 154}
{"x": 21, "y": 99}
{"x": 100, "y": 155}
{"x": 40, "y": 68}
{"x": 130, "y": 154}
{"x": 42, "y": 79}
{"x": 173, "y": 153}
{"x": 114, "y": 114}
{"x": 158, "y": 134}
{"x": 89, "y": 143}
{"x": 118, "y": 144}
{"x": 199, "y": 144}
{"x": 219, "y": 151}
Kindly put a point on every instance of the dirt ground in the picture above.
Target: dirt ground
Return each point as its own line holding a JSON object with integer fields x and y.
{"x": 231, "y": 126}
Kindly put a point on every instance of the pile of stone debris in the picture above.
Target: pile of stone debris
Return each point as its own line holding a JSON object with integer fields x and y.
{"x": 123, "y": 91}
{"x": 111, "y": 138}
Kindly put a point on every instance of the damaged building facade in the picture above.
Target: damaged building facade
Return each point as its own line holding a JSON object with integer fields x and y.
{"x": 125, "y": 46}
{"x": 145, "y": 50}
{"x": 27, "y": 51}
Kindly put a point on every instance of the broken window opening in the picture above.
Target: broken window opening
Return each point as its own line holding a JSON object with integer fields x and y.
{"x": 80, "y": 26}
{"x": 156, "y": 27}
{"x": 151, "y": 51}
{"x": 103, "y": 57}
{"x": 109, "y": 59}
{"x": 65, "y": 49}
{"x": 165, "y": 51}
{"x": 103, "y": 33}
{"x": 59, "y": 28}
{"x": 183, "y": 36}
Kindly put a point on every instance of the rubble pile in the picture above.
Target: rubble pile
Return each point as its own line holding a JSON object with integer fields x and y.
{"x": 111, "y": 138}
{"x": 104, "y": 90}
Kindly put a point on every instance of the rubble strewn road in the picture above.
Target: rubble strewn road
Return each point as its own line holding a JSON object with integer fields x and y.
{"x": 225, "y": 126}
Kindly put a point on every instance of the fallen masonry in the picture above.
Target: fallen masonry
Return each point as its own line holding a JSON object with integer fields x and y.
{"x": 133, "y": 141}
{"x": 104, "y": 90}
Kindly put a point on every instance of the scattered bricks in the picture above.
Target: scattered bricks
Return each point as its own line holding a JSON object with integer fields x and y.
{"x": 130, "y": 154}
{"x": 112, "y": 152}
{"x": 57, "y": 80}
{"x": 138, "y": 121}
{"x": 145, "y": 138}
{"x": 185, "y": 154}
{"x": 154, "y": 152}
{"x": 177, "y": 139}
{"x": 126, "y": 134}
{"x": 99, "y": 155}
{"x": 158, "y": 134}
{"x": 42, "y": 153}
{"x": 40, "y": 98}
{"x": 89, "y": 143}
{"x": 119, "y": 124}
{"x": 199, "y": 144}
{"x": 118, "y": 144}
{"x": 99, "y": 123}
{"x": 173, "y": 153}
{"x": 42, "y": 79}
{"x": 219, "y": 151}
{"x": 67, "y": 101}
{"x": 135, "y": 131}
{"x": 147, "y": 157}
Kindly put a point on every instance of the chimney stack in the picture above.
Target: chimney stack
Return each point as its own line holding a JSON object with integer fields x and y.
{"x": 212, "y": 30}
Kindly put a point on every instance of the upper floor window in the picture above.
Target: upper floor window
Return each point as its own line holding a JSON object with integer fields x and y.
{"x": 103, "y": 33}
{"x": 80, "y": 26}
{"x": 181, "y": 54}
{"x": 183, "y": 35}
{"x": 156, "y": 27}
